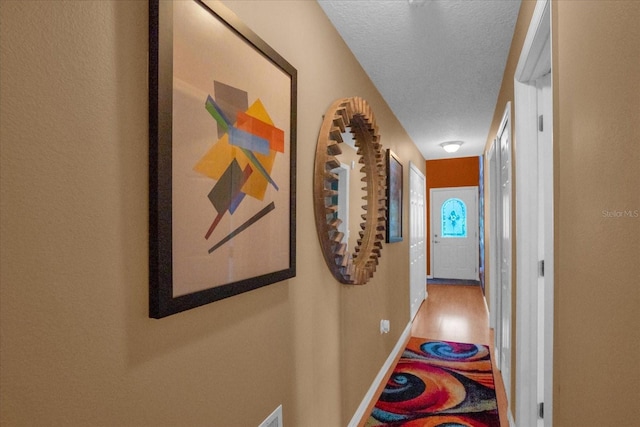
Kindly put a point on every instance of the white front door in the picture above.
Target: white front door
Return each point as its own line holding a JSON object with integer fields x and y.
{"x": 417, "y": 239}
{"x": 454, "y": 229}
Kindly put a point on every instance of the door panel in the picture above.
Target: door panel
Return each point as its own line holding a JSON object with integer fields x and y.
{"x": 494, "y": 246}
{"x": 454, "y": 218}
{"x": 504, "y": 228}
{"x": 417, "y": 239}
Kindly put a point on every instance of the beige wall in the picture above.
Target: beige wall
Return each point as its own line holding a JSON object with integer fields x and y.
{"x": 597, "y": 258}
{"x": 597, "y": 252}
{"x": 77, "y": 347}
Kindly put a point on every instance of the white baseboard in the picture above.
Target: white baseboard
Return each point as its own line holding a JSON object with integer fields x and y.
{"x": 388, "y": 364}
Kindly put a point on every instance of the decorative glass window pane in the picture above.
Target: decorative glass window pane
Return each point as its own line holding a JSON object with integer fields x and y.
{"x": 454, "y": 218}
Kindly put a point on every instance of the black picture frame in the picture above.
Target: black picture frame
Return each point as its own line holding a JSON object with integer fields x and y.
{"x": 394, "y": 197}
{"x": 181, "y": 275}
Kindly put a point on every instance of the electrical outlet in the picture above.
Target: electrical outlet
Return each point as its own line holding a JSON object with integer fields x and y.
{"x": 384, "y": 326}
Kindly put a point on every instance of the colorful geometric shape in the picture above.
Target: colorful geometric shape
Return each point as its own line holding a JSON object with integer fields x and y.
{"x": 219, "y": 199}
{"x": 271, "y": 206}
{"x": 264, "y": 130}
{"x": 217, "y": 113}
{"x": 248, "y": 141}
{"x": 226, "y": 187}
{"x": 235, "y": 203}
{"x": 216, "y": 160}
{"x": 256, "y": 162}
{"x": 230, "y": 101}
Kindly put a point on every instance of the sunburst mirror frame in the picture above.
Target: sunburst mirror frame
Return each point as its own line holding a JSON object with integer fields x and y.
{"x": 350, "y": 267}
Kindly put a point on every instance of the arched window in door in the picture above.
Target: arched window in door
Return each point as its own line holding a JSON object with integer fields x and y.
{"x": 454, "y": 218}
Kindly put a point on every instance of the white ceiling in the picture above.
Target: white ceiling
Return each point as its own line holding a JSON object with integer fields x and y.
{"x": 437, "y": 63}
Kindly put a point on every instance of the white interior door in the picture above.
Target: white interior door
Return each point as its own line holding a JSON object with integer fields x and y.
{"x": 417, "y": 239}
{"x": 503, "y": 346}
{"x": 454, "y": 229}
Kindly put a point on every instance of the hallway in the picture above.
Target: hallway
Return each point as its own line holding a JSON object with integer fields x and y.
{"x": 457, "y": 313}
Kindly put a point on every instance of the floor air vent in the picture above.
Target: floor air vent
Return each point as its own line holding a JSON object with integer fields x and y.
{"x": 274, "y": 420}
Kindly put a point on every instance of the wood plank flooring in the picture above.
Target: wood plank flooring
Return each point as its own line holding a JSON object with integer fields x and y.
{"x": 456, "y": 313}
{"x": 453, "y": 313}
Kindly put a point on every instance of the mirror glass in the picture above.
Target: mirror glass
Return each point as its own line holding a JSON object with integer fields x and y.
{"x": 349, "y": 184}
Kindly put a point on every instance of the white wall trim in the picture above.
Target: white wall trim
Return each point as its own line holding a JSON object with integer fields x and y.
{"x": 491, "y": 174}
{"x": 274, "y": 419}
{"x": 527, "y": 253}
{"x": 388, "y": 364}
{"x": 534, "y": 62}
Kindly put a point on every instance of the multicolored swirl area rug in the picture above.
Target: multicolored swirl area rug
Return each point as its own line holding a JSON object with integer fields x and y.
{"x": 439, "y": 384}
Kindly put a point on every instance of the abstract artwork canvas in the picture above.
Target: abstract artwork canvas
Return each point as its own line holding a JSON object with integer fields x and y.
{"x": 222, "y": 158}
{"x": 394, "y": 198}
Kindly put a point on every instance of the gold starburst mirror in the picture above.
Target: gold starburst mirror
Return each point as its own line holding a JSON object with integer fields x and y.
{"x": 349, "y": 137}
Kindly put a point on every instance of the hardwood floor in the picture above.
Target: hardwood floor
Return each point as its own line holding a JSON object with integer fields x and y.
{"x": 453, "y": 313}
{"x": 456, "y": 313}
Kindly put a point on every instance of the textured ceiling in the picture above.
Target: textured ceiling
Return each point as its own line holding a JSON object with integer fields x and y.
{"x": 437, "y": 63}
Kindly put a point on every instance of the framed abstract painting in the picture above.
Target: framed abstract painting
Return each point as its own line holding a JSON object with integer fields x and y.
{"x": 394, "y": 198}
{"x": 222, "y": 153}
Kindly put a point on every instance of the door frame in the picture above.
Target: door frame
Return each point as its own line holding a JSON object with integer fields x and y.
{"x": 432, "y": 227}
{"x": 535, "y": 61}
{"x": 417, "y": 214}
{"x": 493, "y": 191}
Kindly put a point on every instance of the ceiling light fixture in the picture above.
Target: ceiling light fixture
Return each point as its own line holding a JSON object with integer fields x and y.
{"x": 451, "y": 146}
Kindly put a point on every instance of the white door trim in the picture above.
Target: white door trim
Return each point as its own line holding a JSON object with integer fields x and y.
{"x": 534, "y": 62}
{"x": 493, "y": 188}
